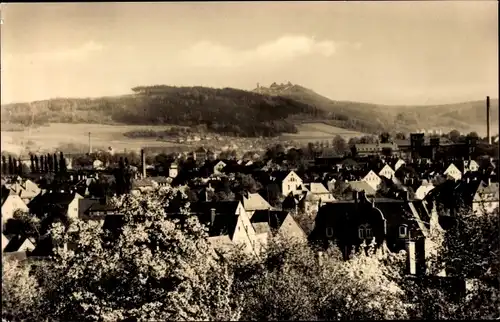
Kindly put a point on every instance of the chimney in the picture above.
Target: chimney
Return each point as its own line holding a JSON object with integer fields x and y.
{"x": 488, "y": 119}
{"x": 411, "y": 262}
{"x": 355, "y": 196}
{"x": 143, "y": 162}
{"x": 212, "y": 215}
{"x": 90, "y": 145}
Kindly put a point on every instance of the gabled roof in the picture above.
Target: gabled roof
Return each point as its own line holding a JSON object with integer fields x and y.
{"x": 224, "y": 225}
{"x": 274, "y": 218}
{"x": 15, "y": 244}
{"x": 53, "y": 198}
{"x": 316, "y": 188}
{"x": 221, "y": 207}
{"x": 489, "y": 189}
{"x": 254, "y": 201}
{"x": 362, "y": 186}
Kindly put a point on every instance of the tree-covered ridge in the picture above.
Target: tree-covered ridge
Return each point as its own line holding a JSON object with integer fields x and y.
{"x": 370, "y": 118}
{"x": 226, "y": 111}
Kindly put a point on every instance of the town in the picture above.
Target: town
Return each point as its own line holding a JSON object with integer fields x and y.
{"x": 294, "y": 191}
{"x": 291, "y": 161}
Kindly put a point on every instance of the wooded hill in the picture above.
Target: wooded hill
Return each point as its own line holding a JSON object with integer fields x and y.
{"x": 262, "y": 112}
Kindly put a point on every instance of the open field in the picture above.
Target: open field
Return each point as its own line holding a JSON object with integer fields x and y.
{"x": 317, "y": 131}
{"x": 50, "y": 137}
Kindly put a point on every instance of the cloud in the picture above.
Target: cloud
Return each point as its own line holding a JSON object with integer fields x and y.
{"x": 284, "y": 49}
{"x": 59, "y": 55}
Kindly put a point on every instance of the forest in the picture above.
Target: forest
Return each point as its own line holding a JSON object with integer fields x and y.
{"x": 226, "y": 111}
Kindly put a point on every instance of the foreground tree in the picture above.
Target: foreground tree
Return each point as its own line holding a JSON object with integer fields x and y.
{"x": 149, "y": 268}
{"x": 21, "y": 294}
{"x": 291, "y": 282}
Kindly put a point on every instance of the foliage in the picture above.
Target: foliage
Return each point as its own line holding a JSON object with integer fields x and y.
{"x": 297, "y": 285}
{"x": 151, "y": 268}
{"x": 21, "y": 294}
{"x": 225, "y": 111}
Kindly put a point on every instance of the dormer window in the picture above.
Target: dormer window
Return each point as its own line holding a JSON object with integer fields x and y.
{"x": 403, "y": 231}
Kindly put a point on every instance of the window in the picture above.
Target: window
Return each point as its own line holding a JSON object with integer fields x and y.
{"x": 403, "y": 231}
{"x": 329, "y": 232}
{"x": 288, "y": 187}
{"x": 365, "y": 231}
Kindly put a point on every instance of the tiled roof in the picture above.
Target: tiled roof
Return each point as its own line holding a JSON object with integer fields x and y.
{"x": 254, "y": 201}
{"x": 362, "y": 186}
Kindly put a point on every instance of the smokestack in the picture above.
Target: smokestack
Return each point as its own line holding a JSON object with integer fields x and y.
{"x": 488, "y": 119}
{"x": 90, "y": 145}
{"x": 143, "y": 161}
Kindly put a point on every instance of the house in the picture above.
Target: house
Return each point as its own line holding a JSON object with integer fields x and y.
{"x": 398, "y": 163}
{"x": 218, "y": 167}
{"x": 269, "y": 223}
{"x": 173, "y": 170}
{"x": 142, "y": 185}
{"x": 394, "y": 225}
{"x": 289, "y": 182}
{"x": 160, "y": 181}
{"x": 319, "y": 191}
{"x": 11, "y": 202}
{"x": 253, "y": 202}
{"x": 200, "y": 154}
{"x": 470, "y": 166}
{"x": 387, "y": 172}
{"x": 452, "y": 172}
{"x": 372, "y": 179}
{"x": 225, "y": 220}
{"x": 26, "y": 189}
{"x": 486, "y": 198}
{"x": 56, "y": 203}
{"x": 375, "y": 148}
{"x": 19, "y": 244}
{"x": 314, "y": 194}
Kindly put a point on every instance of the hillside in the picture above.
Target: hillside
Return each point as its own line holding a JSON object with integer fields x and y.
{"x": 468, "y": 116}
{"x": 226, "y": 111}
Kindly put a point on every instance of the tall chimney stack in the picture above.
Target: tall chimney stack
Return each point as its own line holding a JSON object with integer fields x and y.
{"x": 488, "y": 119}
{"x": 143, "y": 161}
{"x": 90, "y": 145}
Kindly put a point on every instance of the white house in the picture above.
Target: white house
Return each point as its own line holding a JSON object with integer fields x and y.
{"x": 173, "y": 171}
{"x": 399, "y": 163}
{"x": 372, "y": 179}
{"x": 452, "y": 172}
{"x": 486, "y": 198}
{"x": 10, "y": 204}
{"x": 218, "y": 167}
{"x": 470, "y": 166}
{"x": 387, "y": 172}
{"x": 290, "y": 183}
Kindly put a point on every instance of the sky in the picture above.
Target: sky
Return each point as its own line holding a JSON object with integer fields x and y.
{"x": 380, "y": 52}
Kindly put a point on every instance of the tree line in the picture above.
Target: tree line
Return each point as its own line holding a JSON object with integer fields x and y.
{"x": 48, "y": 163}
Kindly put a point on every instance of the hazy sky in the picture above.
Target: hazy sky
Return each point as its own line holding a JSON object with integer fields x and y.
{"x": 381, "y": 52}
